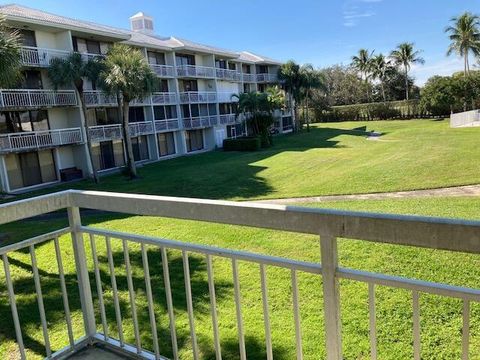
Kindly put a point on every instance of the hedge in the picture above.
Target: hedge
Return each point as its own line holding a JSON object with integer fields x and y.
{"x": 242, "y": 144}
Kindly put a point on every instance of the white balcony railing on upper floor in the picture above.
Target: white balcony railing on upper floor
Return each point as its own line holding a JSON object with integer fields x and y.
{"x": 198, "y": 97}
{"x": 34, "y": 140}
{"x": 166, "y": 125}
{"x": 99, "y": 300}
{"x": 105, "y": 132}
{"x": 164, "y": 98}
{"x": 249, "y": 78}
{"x": 267, "y": 78}
{"x": 229, "y": 75}
{"x": 228, "y": 119}
{"x": 29, "y": 98}
{"x": 195, "y": 71}
{"x": 200, "y": 121}
{"x": 141, "y": 128}
{"x": 41, "y": 57}
{"x": 98, "y": 98}
{"x": 226, "y": 97}
{"x": 163, "y": 70}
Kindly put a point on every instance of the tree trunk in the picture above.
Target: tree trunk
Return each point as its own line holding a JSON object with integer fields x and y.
{"x": 307, "y": 114}
{"x": 383, "y": 91}
{"x": 88, "y": 138}
{"x": 123, "y": 106}
{"x": 406, "y": 83}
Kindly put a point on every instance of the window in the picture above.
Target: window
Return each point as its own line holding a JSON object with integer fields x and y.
{"x": 235, "y": 130}
{"x": 136, "y": 114}
{"x": 221, "y": 64}
{"x": 246, "y": 69}
{"x": 93, "y": 47}
{"x": 163, "y": 85}
{"x": 184, "y": 59}
{"x": 227, "y": 108}
{"x": 15, "y": 121}
{"x": 194, "y": 140}
{"x": 166, "y": 143}
{"x": 232, "y": 66}
{"x": 189, "y": 85}
{"x": 28, "y": 37}
{"x": 108, "y": 154}
{"x": 31, "y": 80}
{"x": 263, "y": 69}
{"x": 165, "y": 112}
{"x": 262, "y": 87}
{"x": 112, "y": 116}
{"x": 156, "y": 58}
{"x": 140, "y": 148}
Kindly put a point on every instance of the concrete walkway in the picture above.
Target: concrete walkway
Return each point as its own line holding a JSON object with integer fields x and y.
{"x": 468, "y": 190}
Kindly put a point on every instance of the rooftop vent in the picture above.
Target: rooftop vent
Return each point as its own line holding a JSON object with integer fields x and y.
{"x": 141, "y": 22}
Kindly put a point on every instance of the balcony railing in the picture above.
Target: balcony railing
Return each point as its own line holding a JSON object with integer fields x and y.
{"x": 40, "y": 57}
{"x": 103, "y": 302}
{"x": 226, "y": 97}
{"x": 195, "y": 71}
{"x": 98, "y": 98}
{"x": 267, "y": 78}
{"x": 166, "y": 125}
{"x": 39, "y": 139}
{"x": 26, "y": 98}
{"x": 198, "y": 97}
{"x": 229, "y": 75}
{"x": 228, "y": 119}
{"x": 141, "y": 128}
{"x": 200, "y": 121}
{"x": 249, "y": 78}
{"x": 164, "y": 98}
{"x": 105, "y": 132}
{"x": 163, "y": 70}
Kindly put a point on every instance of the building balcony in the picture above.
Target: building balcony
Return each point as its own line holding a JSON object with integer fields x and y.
{"x": 195, "y": 71}
{"x": 164, "y": 98}
{"x": 97, "y": 98}
{"x": 166, "y": 125}
{"x": 229, "y": 75}
{"x": 35, "y": 99}
{"x": 40, "y": 57}
{"x": 163, "y": 70}
{"x": 192, "y": 97}
{"x": 250, "y": 78}
{"x": 267, "y": 78}
{"x": 100, "y": 133}
{"x": 35, "y": 140}
{"x": 226, "y": 97}
{"x": 141, "y": 128}
{"x": 200, "y": 122}
{"x": 96, "y": 269}
{"x": 228, "y": 119}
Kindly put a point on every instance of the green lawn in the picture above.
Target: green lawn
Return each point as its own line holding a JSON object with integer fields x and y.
{"x": 334, "y": 158}
{"x": 440, "y": 318}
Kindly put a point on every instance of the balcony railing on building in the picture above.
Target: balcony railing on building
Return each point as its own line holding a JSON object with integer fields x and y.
{"x": 141, "y": 128}
{"x": 166, "y": 125}
{"x": 27, "y": 98}
{"x": 229, "y": 75}
{"x": 267, "y": 78}
{"x": 198, "y": 97}
{"x": 163, "y": 70}
{"x": 40, "y": 57}
{"x": 98, "y": 98}
{"x": 34, "y": 140}
{"x": 226, "y": 97}
{"x": 105, "y": 132}
{"x": 195, "y": 71}
{"x": 228, "y": 119}
{"x": 200, "y": 121}
{"x": 251, "y": 78}
{"x": 99, "y": 303}
{"x": 164, "y": 98}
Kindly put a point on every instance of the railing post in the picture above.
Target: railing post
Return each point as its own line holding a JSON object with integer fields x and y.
{"x": 331, "y": 297}
{"x": 82, "y": 272}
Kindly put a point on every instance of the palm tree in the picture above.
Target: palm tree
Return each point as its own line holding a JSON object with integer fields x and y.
{"x": 362, "y": 62}
{"x": 10, "y": 60}
{"x": 289, "y": 74}
{"x": 405, "y": 55}
{"x": 128, "y": 76}
{"x": 380, "y": 67}
{"x": 464, "y": 35}
{"x": 311, "y": 79}
{"x": 74, "y": 70}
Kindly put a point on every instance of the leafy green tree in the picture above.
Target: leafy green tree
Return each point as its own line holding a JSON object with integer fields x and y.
{"x": 405, "y": 56}
{"x": 312, "y": 79}
{"x": 289, "y": 74}
{"x": 342, "y": 87}
{"x": 380, "y": 68}
{"x": 74, "y": 70}
{"x": 10, "y": 57}
{"x": 362, "y": 62}
{"x": 464, "y": 35}
{"x": 128, "y": 76}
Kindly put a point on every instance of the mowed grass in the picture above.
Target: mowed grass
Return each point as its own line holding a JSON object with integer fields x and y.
{"x": 441, "y": 318}
{"x": 334, "y": 158}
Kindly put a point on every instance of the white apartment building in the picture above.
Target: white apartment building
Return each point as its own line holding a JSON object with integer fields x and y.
{"x": 42, "y": 139}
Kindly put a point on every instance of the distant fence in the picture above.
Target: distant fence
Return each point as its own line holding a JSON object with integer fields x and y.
{"x": 467, "y": 118}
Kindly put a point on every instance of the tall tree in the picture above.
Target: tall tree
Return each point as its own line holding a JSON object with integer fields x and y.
{"x": 74, "y": 70}
{"x": 405, "y": 55}
{"x": 10, "y": 57}
{"x": 312, "y": 80}
{"x": 362, "y": 62}
{"x": 128, "y": 76}
{"x": 380, "y": 67}
{"x": 289, "y": 74}
{"x": 464, "y": 35}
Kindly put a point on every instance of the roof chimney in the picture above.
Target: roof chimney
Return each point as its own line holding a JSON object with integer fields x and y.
{"x": 141, "y": 22}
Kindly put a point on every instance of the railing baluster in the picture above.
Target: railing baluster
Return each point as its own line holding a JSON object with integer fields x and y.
{"x": 151, "y": 311}
{"x": 373, "y": 320}
{"x": 41, "y": 307}
{"x": 98, "y": 281}
{"x": 131, "y": 293}
{"x": 466, "y": 330}
{"x": 168, "y": 294}
{"x": 266, "y": 316}
{"x": 188, "y": 293}
{"x": 66, "y": 306}
{"x": 213, "y": 308}
{"x": 13, "y": 306}
{"x": 238, "y": 308}
{"x": 296, "y": 316}
{"x": 416, "y": 325}
{"x": 113, "y": 279}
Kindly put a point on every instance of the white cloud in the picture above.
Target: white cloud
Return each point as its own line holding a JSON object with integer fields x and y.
{"x": 354, "y": 10}
{"x": 444, "y": 67}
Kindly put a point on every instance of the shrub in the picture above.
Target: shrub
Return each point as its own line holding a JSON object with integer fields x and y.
{"x": 242, "y": 144}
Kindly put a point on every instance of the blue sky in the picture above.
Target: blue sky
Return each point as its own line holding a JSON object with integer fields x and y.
{"x": 321, "y": 32}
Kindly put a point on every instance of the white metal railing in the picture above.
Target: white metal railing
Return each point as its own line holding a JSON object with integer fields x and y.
{"x": 198, "y": 97}
{"x": 267, "y": 78}
{"x": 89, "y": 56}
{"x": 227, "y": 74}
{"x": 465, "y": 119}
{"x": 163, "y": 70}
{"x": 425, "y": 232}
{"x": 228, "y": 119}
{"x": 141, "y": 128}
{"x": 200, "y": 121}
{"x": 40, "y": 57}
{"x": 249, "y": 78}
{"x": 98, "y": 98}
{"x": 195, "y": 71}
{"x": 39, "y": 139}
{"x": 140, "y": 102}
{"x": 166, "y": 125}
{"x": 163, "y": 98}
{"x": 29, "y": 98}
{"x": 105, "y": 132}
